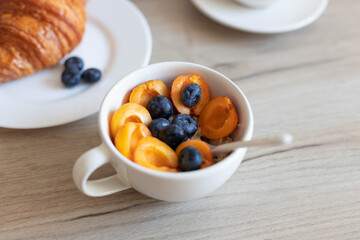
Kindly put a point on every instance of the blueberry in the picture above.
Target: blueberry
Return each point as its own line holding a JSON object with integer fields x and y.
{"x": 70, "y": 78}
{"x": 160, "y": 107}
{"x": 74, "y": 63}
{"x": 190, "y": 95}
{"x": 91, "y": 75}
{"x": 189, "y": 159}
{"x": 156, "y": 125}
{"x": 172, "y": 135}
{"x": 187, "y": 123}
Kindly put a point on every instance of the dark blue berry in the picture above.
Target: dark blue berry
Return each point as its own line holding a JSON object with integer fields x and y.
{"x": 156, "y": 125}
{"x": 91, "y": 75}
{"x": 74, "y": 63}
{"x": 187, "y": 123}
{"x": 70, "y": 78}
{"x": 189, "y": 159}
{"x": 172, "y": 135}
{"x": 191, "y": 94}
{"x": 160, "y": 107}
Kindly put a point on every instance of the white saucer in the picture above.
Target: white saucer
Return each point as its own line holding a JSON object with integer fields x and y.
{"x": 117, "y": 40}
{"x": 283, "y": 16}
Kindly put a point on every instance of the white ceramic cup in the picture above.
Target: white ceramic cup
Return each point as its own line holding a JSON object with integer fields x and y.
{"x": 165, "y": 186}
{"x": 257, "y": 3}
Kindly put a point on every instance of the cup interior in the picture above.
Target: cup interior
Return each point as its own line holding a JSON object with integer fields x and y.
{"x": 219, "y": 85}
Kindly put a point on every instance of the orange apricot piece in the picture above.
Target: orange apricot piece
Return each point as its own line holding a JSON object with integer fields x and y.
{"x": 128, "y": 136}
{"x": 129, "y": 112}
{"x": 219, "y": 118}
{"x": 147, "y": 90}
{"x": 155, "y": 154}
{"x": 202, "y": 147}
{"x": 177, "y": 86}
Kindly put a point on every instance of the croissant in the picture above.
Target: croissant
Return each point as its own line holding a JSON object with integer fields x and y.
{"x": 36, "y": 34}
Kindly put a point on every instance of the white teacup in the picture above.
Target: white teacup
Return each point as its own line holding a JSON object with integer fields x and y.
{"x": 257, "y": 3}
{"x": 165, "y": 186}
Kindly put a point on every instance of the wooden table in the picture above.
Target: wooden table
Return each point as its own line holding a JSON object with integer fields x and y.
{"x": 306, "y": 82}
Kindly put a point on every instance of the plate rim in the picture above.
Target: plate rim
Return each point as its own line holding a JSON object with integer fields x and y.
{"x": 307, "y": 21}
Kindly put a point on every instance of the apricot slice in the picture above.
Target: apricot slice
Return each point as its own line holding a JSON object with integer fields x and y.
{"x": 128, "y": 136}
{"x": 202, "y": 147}
{"x": 219, "y": 118}
{"x": 147, "y": 90}
{"x": 155, "y": 154}
{"x": 177, "y": 86}
{"x": 129, "y": 112}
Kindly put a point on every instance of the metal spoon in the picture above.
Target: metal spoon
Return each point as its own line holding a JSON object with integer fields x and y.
{"x": 283, "y": 139}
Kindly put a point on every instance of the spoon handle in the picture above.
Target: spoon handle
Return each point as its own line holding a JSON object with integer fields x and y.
{"x": 282, "y": 139}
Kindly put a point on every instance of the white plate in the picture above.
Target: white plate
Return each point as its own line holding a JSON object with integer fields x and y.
{"x": 283, "y": 16}
{"x": 117, "y": 40}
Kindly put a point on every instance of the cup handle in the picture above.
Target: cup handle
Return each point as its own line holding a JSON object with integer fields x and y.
{"x": 86, "y": 164}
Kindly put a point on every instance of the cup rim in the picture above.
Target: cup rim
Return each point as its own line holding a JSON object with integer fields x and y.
{"x": 169, "y": 175}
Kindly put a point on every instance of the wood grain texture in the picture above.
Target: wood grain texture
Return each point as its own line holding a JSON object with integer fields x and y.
{"x": 305, "y": 82}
